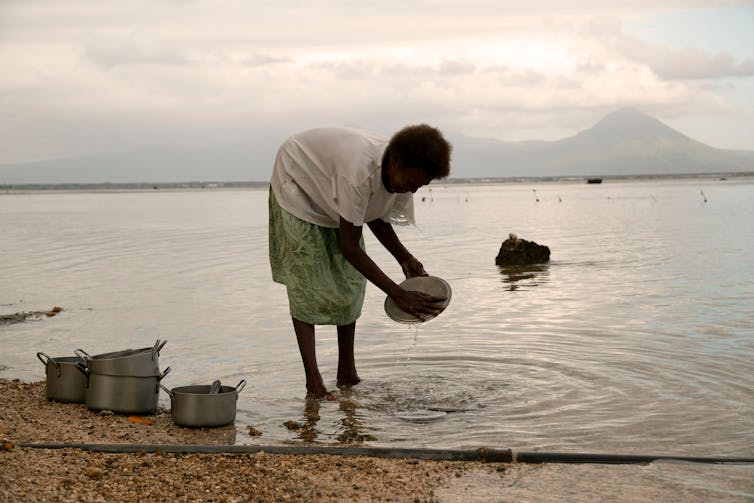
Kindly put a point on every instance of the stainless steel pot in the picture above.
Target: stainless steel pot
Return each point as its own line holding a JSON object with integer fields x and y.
{"x": 124, "y": 394}
{"x": 66, "y": 382}
{"x": 196, "y": 407}
{"x": 130, "y": 362}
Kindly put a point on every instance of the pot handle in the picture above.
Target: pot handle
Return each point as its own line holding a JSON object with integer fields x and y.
{"x": 170, "y": 393}
{"x": 83, "y": 355}
{"x": 241, "y": 385}
{"x": 49, "y": 360}
{"x": 158, "y": 345}
{"x": 164, "y": 373}
{"x": 82, "y": 368}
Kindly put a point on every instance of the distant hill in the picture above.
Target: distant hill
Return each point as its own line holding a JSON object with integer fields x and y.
{"x": 625, "y": 142}
{"x": 247, "y": 161}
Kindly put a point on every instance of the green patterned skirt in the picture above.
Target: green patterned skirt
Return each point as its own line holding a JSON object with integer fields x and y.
{"x": 323, "y": 287}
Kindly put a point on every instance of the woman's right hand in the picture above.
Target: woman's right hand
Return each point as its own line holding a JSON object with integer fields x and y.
{"x": 419, "y": 304}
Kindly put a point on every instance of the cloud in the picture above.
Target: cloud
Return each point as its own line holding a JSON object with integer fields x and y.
{"x": 202, "y": 71}
{"x": 262, "y": 59}
{"x": 683, "y": 64}
{"x": 669, "y": 63}
{"x": 390, "y": 70}
{"x": 456, "y": 67}
{"x": 136, "y": 48}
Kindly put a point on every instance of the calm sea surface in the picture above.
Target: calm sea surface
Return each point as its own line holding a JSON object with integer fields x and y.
{"x": 637, "y": 337}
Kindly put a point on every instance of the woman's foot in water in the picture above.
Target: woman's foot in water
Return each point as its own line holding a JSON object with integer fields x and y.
{"x": 320, "y": 395}
{"x": 317, "y": 391}
{"x": 348, "y": 378}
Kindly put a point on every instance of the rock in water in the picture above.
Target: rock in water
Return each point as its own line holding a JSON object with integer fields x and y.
{"x": 516, "y": 251}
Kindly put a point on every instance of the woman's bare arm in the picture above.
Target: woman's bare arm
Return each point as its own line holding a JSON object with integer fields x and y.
{"x": 416, "y": 303}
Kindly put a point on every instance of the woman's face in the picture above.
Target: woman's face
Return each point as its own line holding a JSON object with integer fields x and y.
{"x": 403, "y": 179}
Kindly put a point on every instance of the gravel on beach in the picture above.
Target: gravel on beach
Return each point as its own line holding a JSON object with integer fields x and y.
{"x": 41, "y": 474}
{"x": 32, "y": 474}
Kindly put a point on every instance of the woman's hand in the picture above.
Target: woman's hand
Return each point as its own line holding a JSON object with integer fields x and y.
{"x": 419, "y": 304}
{"x": 412, "y": 268}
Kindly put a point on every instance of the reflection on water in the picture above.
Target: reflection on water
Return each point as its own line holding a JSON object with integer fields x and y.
{"x": 518, "y": 276}
{"x": 306, "y": 431}
{"x": 350, "y": 427}
{"x": 353, "y": 425}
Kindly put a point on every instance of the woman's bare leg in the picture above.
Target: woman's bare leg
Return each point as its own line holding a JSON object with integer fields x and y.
{"x": 305, "y": 336}
{"x": 347, "y": 375}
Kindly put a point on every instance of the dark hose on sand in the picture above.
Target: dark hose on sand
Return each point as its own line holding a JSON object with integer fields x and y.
{"x": 481, "y": 454}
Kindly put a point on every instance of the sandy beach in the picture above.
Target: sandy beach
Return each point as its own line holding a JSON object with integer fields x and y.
{"x": 37, "y": 474}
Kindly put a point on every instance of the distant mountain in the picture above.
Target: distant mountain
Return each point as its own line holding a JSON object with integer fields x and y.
{"x": 247, "y": 161}
{"x": 625, "y": 142}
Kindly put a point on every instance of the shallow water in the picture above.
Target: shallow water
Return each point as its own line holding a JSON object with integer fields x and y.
{"x": 637, "y": 337}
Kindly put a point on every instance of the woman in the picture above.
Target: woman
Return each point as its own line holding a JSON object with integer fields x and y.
{"x": 326, "y": 184}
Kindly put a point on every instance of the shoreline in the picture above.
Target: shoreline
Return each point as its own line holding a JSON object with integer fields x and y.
{"x": 72, "y": 474}
{"x": 197, "y": 186}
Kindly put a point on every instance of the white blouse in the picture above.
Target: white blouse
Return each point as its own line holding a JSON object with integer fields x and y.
{"x": 323, "y": 174}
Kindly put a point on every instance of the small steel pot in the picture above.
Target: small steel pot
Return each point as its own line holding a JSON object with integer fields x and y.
{"x": 196, "y": 407}
{"x": 66, "y": 382}
{"x": 142, "y": 362}
{"x": 124, "y": 394}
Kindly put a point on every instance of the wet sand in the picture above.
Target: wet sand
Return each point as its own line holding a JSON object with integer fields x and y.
{"x": 32, "y": 474}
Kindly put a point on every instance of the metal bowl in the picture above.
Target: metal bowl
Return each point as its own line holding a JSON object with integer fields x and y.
{"x": 124, "y": 394}
{"x": 431, "y": 285}
{"x": 66, "y": 378}
{"x": 142, "y": 362}
{"x": 200, "y": 406}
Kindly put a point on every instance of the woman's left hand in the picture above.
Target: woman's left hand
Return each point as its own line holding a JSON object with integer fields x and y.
{"x": 412, "y": 267}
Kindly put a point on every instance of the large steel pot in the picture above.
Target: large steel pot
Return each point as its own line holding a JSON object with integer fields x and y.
{"x": 130, "y": 362}
{"x": 124, "y": 394}
{"x": 66, "y": 382}
{"x": 199, "y": 406}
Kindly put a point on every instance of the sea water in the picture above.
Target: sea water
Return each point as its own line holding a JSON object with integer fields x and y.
{"x": 636, "y": 337}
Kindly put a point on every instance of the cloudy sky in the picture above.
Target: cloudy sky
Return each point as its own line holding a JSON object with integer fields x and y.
{"x": 89, "y": 77}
